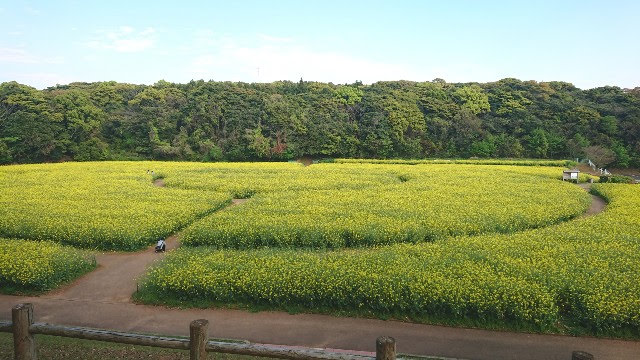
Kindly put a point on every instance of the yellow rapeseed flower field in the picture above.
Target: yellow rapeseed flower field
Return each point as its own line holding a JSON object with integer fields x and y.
{"x": 39, "y": 266}
{"x": 458, "y": 241}
{"x": 348, "y": 205}
{"x": 582, "y": 274}
{"x": 114, "y": 206}
{"x": 106, "y": 205}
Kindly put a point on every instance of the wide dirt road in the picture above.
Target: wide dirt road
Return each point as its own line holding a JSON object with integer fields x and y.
{"x": 319, "y": 330}
{"x": 102, "y": 299}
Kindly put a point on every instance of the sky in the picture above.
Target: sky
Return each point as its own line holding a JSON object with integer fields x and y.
{"x": 588, "y": 43}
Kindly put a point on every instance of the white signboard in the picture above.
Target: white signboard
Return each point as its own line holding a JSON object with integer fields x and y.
{"x": 574, "y": 176}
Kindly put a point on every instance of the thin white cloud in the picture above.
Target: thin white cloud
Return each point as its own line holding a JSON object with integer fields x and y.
{"x": 148, "y": 31}
{"x": 22, "y": 56}
{"x": 275, "y": 39}
{"x": 126, "y": 29}
{"x": 13, "y": 55}
{"x": 206, "y": 39}
{"x": 125, "y": 39}
{"x": 274, "y": 59}
{"x": 38, "y": 80}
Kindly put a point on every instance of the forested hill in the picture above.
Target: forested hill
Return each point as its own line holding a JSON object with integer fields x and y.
{"x": 285, "y": 120}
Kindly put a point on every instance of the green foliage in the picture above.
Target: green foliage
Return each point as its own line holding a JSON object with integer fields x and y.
{"x": 90, "y": 150}
{"x": 5, "y": 153}
{"x": 538, "y": 143}
{"x": 472, "y": 98}
{"x": 349, "y": 95}
{"x": 622, "y": 155}
{"x": 484, "y": 149}
{"x": 214, "y": 154}
{"x": 577, "y": 145}
{"x": 621, "y": 179}
{"x": 211, "y": 121}
{"x": 609, "y": 125}
{"x": 513, "y": 162}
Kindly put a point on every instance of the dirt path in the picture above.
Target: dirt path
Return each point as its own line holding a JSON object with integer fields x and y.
{"x": 117, "y": 274}
{"x": 306, "y": 160}
{"x": 321, "y": 330}
{"x": 102, "y": 299}
{"x": 115, "y": 278}
{"x": 597, "y": 203}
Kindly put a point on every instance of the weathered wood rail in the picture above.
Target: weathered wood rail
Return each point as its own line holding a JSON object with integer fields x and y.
{"x": 24, "y": 328}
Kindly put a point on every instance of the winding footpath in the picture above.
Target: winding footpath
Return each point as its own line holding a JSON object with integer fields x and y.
{"x": 597, "y": 203}
{"x": 102, "y": 299}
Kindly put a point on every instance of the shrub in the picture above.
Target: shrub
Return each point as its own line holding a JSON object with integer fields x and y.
{"x": 620, "y": 179}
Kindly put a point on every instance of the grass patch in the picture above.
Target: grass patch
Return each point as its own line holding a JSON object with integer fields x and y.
{"x": 60, "y": 348}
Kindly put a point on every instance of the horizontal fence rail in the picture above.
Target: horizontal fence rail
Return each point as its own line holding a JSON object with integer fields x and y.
{"x": 279, "y": 352}
{"x": 109, "y": 336}
{"x": 6, "y": 326}
{"x": 198, "y": 344}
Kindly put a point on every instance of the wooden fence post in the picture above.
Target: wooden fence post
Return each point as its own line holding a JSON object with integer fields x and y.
{"x": 199, "y": 334}
{"x": 581, "y": 355}
{"x": 24, "y": 346}
{"x": 385, "y": 348}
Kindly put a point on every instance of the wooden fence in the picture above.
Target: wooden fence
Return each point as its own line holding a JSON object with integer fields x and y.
{"x": 23, "y": 328}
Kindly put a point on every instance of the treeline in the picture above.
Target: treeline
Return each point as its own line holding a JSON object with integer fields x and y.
{"x": 211, "y": 121}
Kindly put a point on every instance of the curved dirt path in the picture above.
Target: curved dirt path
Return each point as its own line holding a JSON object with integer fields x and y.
{"x": 597, "y": 203}
{"x": 102, "y": 299}
{"x": 117, "y": 275}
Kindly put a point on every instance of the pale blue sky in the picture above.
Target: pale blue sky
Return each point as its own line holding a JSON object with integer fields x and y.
{"x": 588, "y": 43}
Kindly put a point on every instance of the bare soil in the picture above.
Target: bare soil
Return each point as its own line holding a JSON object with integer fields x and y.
{"x": 116, "y": 277}
{"x": 306, "y": 160}
{"x": 627, "y": 172}
{"x": 597, "y": 203}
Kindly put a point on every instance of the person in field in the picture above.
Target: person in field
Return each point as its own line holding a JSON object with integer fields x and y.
{"x": 161, "y": 246}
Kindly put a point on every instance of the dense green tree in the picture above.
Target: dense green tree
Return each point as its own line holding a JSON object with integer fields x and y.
{"x": 484, "y": 149}
{"x": 29, "y": 126}
{"x": 212, "y": 121}
{"x": 5, "y": 152}
{"x": 622, "y": 155}
{"x": 472, "y": 98}
{"x": 538, "y": 143}
{"x": 576, "y": 146}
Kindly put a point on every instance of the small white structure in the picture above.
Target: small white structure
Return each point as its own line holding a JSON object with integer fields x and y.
{"x": 570, "y": 175}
